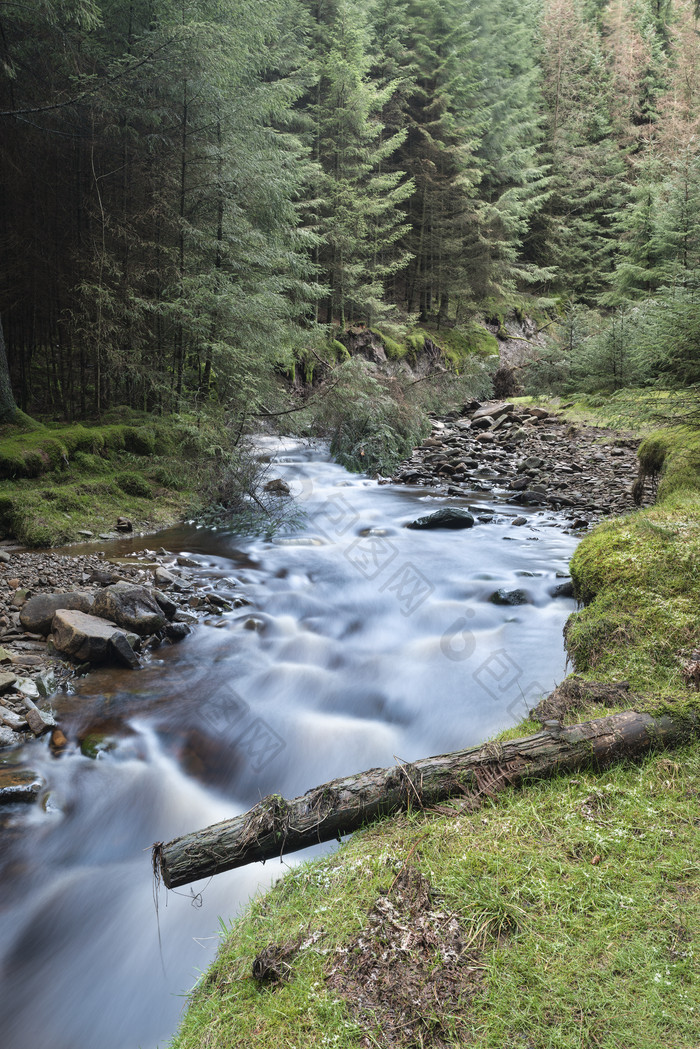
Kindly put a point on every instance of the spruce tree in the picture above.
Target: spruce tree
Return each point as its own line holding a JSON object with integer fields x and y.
{"x": 360, "y": 213}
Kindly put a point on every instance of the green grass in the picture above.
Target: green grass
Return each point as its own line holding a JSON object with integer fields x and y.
{"x": 639, "y": 577}
{"x": 641, "y": 410}
{"x": 56, "y": 480}
{"x": 580, "y": 894}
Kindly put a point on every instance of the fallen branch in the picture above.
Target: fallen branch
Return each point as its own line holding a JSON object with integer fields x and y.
{"x": 275, "y": 825}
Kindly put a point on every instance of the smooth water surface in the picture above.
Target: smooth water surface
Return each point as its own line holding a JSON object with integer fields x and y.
{"x": 364, "y": 642}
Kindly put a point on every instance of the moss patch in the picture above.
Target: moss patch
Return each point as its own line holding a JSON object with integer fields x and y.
{"x": 57, "y": 480}
{"x": 468, "y": 340}
{"x": 639, "y": 578}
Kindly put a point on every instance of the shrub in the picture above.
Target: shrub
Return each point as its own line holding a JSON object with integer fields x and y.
{"x": 166, "y": 477}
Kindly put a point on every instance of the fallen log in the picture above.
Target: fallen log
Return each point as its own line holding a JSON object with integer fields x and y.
{"x": 276, "y": 825}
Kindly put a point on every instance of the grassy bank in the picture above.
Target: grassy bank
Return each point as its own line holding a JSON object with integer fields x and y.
{"x": 574, "y": 906}
{"x": 563, "y": 916}
{"x": 57, "y": 480}
{"x": 639, "y": 577}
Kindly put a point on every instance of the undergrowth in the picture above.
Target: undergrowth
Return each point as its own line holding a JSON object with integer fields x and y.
{"x": 56, "y": 481}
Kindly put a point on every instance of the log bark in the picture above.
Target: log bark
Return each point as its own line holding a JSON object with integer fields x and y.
{"x": 275, "y": 825}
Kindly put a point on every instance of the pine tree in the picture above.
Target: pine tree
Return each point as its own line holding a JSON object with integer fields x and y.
{"x": 444, "y": 124}
{"x": 514, "y": 185}
{"x": 639, "y": 262}
{"x": 361, "y": 217}
{"x": 588, "y": 179}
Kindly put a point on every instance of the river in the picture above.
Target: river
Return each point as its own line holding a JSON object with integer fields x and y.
{"x": 364, "y": 642}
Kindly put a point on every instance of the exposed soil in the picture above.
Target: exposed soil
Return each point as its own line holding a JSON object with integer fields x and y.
{"x": 575, "y": 694}
{"x": 410, "y": 973}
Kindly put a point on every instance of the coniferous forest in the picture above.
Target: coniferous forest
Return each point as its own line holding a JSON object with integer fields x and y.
{"x": 193, "y": 193}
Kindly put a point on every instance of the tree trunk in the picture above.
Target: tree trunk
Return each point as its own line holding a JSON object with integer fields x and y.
{"x": 275, "y": 825}
{"x": 8, "y": 408}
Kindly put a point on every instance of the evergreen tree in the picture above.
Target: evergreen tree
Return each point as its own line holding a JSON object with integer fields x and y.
{"x": 514, "y": 185}
{"x": 360, "y": 216}
{"x": 639, "y": 261}
{"x": 444, "y": 124}
{"x": 588, "y": 180}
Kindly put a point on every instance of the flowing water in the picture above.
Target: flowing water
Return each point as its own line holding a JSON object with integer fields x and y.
{"x": 364, "y": 642}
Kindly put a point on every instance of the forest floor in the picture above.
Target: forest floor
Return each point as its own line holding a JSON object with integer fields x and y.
{"x": 132, "y": 473}
{"x": 565, "y": 915}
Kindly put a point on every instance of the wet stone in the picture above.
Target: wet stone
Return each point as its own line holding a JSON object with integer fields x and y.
{"x": 510, "y": 597}
{"x": 18, "y": 785}
{"x": 448, "y": 517}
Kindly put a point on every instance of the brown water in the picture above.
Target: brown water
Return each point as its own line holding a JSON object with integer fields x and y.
{"x": 365, "y": 642}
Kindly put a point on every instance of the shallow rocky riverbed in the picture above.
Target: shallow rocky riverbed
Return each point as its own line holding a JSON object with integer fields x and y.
{"x": 35, "y": 659}
{"x": 531, "y": 456}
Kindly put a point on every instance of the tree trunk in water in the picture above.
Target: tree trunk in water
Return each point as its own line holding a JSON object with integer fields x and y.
{"x": 8, "y": 408}
{"x": 275, "y": 825}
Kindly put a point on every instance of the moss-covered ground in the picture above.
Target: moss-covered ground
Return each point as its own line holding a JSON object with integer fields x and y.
{"x": 639, "y": 579}
{"x": 57, "y": 480}
{"x": 578, "y": 899}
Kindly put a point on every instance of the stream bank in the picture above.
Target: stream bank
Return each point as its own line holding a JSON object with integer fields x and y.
{"x": 563, "y": 915}
{"x": 356, "y": 624}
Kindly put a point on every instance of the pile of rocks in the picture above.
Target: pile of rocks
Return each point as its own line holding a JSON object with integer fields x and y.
{"x": 530, "y": 456}
{"x": 62, "y": 614}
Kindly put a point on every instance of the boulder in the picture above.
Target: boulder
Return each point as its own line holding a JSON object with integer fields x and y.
{"x": 563, "y": 590}
{"x": 448, "y": 517}
{"x": 89, "y": 638}
{"x": 163, "y": 577}
{"x": 130, "y": 606}
{"x": 123, "y": 652}
{"x": 510, "y": 597}
{"x": 481, "y": 423}
{"x": 176, "y": 631}
{"x": 7, "y": 682}
{"x": 37, "y": 614}
{"x": 38, "y": 722}
{"x": 19, "y": 598}
{"x": 168, "y": 606}
{"x": 493, "y": 411}
{"x": 278, "y": 487}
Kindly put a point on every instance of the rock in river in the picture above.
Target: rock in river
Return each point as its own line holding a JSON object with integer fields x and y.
{"x": 448, "y": 517}
{"x": 90, "y": 639}
{"x": 37, "y": 614}
{"x": 17, "y": 784}
{"x": 510, "y": 597}
{"x": 130, "y": 606}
